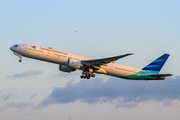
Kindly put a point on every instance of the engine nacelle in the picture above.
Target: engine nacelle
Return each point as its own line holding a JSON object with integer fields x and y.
{"x": 66, "y": 68}
{"x": 74, "y": 63}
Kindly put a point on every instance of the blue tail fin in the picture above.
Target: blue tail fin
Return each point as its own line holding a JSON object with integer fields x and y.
{"x": 157, "y": 64}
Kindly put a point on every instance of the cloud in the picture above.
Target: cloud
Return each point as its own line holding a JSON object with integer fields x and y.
{"x": 175, "y": 103}
{"x": 33, "y": 96}
{"x": 7, "y": 96}
{"x": 19, "y": 105}
{"x": 126, "y": 92}
{"x": 26, "y": 74}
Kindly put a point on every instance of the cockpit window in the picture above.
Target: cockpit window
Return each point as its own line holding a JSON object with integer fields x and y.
{"x": 34, "y": 47}
{"x": 16, "y": 45}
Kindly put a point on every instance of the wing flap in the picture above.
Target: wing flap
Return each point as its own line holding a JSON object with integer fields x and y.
{"x": 103, "y": 61}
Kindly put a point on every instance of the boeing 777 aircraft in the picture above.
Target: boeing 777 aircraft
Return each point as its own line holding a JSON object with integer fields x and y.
{"x": 69, "y": 62}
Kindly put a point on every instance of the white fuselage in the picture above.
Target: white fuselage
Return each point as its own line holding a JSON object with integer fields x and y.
{"x": 60, "y": 57}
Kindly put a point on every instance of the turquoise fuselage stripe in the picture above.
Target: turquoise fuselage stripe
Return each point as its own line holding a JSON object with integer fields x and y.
{"x": 142, "y": 75}
{"x": 149, "y": 72}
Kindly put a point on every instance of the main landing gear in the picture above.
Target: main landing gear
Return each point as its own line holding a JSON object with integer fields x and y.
{"x": 87, "y": 73}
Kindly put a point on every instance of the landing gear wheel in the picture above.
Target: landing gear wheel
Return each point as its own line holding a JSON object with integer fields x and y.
{"x": 20, "y": 60}
{"x": 82, "y": 76}
{"x": 88, "y": 72}
{"x": 93, "y": 75}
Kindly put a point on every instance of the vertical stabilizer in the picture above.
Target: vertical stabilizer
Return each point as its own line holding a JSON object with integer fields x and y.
{"x": 157, "y": 64}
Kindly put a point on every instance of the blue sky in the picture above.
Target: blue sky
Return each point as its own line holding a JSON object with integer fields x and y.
{"x": 33, "y": 89}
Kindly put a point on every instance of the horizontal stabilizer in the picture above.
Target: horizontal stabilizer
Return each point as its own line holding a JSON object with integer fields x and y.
{"x": 160, "y": 75}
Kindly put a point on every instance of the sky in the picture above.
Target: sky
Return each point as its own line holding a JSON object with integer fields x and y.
{"x": 38, "y": 90}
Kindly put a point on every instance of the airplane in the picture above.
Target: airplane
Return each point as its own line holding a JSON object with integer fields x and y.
{"x": 69, "y": 62}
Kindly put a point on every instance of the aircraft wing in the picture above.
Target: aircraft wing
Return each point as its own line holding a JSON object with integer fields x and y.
{"x": 160, "y": 75}
{"x": 103, "y": 61}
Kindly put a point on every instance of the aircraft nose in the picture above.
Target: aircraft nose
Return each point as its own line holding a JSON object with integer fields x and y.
{"x": 12, "y": 48}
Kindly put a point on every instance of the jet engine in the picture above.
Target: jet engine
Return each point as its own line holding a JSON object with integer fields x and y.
{"x": 74, "y": 63}
{"x": 66, "y": 68}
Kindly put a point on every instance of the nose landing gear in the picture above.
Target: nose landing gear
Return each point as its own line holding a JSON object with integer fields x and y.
{"x": 20, "y": 60}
